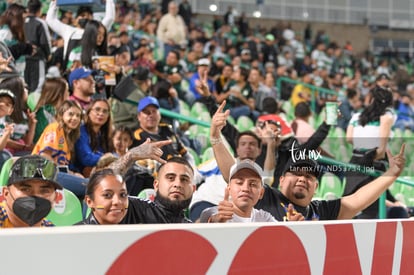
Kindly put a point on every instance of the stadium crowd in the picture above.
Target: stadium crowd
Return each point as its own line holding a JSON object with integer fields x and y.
{"x": 86, "y": 94}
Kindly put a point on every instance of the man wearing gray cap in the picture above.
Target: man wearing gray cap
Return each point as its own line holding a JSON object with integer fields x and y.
{"x": 245, "y": 188}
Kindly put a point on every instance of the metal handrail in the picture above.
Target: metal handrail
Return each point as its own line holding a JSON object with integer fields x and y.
{"x": 313, "y": 88}
{"x": 370, "y": 172}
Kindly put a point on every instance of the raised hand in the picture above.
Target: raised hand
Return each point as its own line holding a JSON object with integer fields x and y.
{"x": 225, "y": 209}
{"x": 8, "y": 129}
{"x": 219, "y": 120}
{"x": 149, "y": 150}
{"x": 268, "y": 135}
{"x": 202, "y": 85}
{"x": 4, "y": 63}
{"x": 397, "y": 162}
{"x": 31, "y": 116}
{"x": 293, "y": 215}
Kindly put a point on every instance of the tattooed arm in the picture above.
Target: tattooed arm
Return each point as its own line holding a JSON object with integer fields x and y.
{"x": 147, "y": 150}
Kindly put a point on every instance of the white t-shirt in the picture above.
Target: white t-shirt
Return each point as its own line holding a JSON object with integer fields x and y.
{"x": 367, "y": 137}
{"x": 257, "y": 215}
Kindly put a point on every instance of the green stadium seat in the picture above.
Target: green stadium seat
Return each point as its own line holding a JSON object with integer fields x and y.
{"x": 147, "y": 194}
{"x": 4, "y": 173}
{"x": 244, "y": 123}
{"x": 197, "y": 109}
{"x": 194, "y": 154}
{"x": 32, "y": 100}
{"x": 67, "y": 210}
{"x": 231, "y": 120}
{"x": 408, "y": 192}
{"x": 184, "y": 108}
{"x": 208, "y": 154}
{"x": 395, "y": 188}
{"x": 331, "y": 185}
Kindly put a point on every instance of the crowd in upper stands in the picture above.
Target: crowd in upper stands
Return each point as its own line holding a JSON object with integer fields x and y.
{"x": 83, "y": 89}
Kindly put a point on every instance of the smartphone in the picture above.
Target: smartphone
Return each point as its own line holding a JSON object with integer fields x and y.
{"x": 63, "y": 168}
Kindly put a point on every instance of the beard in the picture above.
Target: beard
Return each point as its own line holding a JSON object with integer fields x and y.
{"x": 299, "y": 195}
{"x": 172, "y": 205}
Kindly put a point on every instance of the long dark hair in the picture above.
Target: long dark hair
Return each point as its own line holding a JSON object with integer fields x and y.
{"x": 96, "y": 179}
{"x": 16, "y": 85}
{"x": 382, "y": 99}
{"x": 71, "y": 136}
{"x": 13, "y": 17}
{"x": 53, "y": 92}
{"x": 105, "y": 130}
{"x": 88, "y": 43}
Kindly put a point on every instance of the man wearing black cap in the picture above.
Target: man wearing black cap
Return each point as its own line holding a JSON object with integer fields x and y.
{"x": 299, "y": 182}
{"x": 30, "y": 193}
{"x": 125, "y": 113}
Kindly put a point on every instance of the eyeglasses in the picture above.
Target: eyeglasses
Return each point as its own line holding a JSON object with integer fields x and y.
{"x": 100, "y": 110}
{"x": 32, "y": 167}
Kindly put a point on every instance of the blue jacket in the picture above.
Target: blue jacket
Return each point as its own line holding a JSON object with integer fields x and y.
{"x": 85, "y": 156}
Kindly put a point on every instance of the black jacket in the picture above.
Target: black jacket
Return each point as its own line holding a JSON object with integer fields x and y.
{"x": 145, "y": 211}
{"x": 36, "y": 32}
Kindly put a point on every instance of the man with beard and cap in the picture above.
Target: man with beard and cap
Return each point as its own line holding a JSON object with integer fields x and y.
{"x": 30, "y": 193}
{"x": 299, "y": 182}
{"x": 174, "y": 187}
{"x": 298, "y": 185}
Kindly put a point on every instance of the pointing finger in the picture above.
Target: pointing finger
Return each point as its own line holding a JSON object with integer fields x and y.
{"x": 162, "y": 143}
{"x": 402, "y": 149}
{"x": 221, "y": 107}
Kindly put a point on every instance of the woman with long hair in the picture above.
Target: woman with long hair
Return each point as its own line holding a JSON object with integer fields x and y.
{"x": 94, "y": 43}
{"x": 369, "y": 132}
{"x": 96, "y": 136}
{"x": 372, "y": 127}
{"x": 54, "y": 92}
{"x": 21, "y": 141}
{"x": 12, "y": 33}
{"x": 57, "y": 143}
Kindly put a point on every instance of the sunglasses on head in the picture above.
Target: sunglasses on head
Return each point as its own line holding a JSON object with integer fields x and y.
{"x": 29, "y": 168}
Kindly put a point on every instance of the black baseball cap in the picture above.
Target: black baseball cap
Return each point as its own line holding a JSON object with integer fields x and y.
{"x": 307, "y": 165}
{"x": 33, "y": 167}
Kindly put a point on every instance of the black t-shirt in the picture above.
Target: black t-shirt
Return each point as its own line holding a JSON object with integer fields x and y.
{"x": 144, "y": 211}
{"x": 274, "y": 202}
{"x": 246, "y": 91}
{"x": 162, "y": 67}
{"x": 176, "y": 148}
